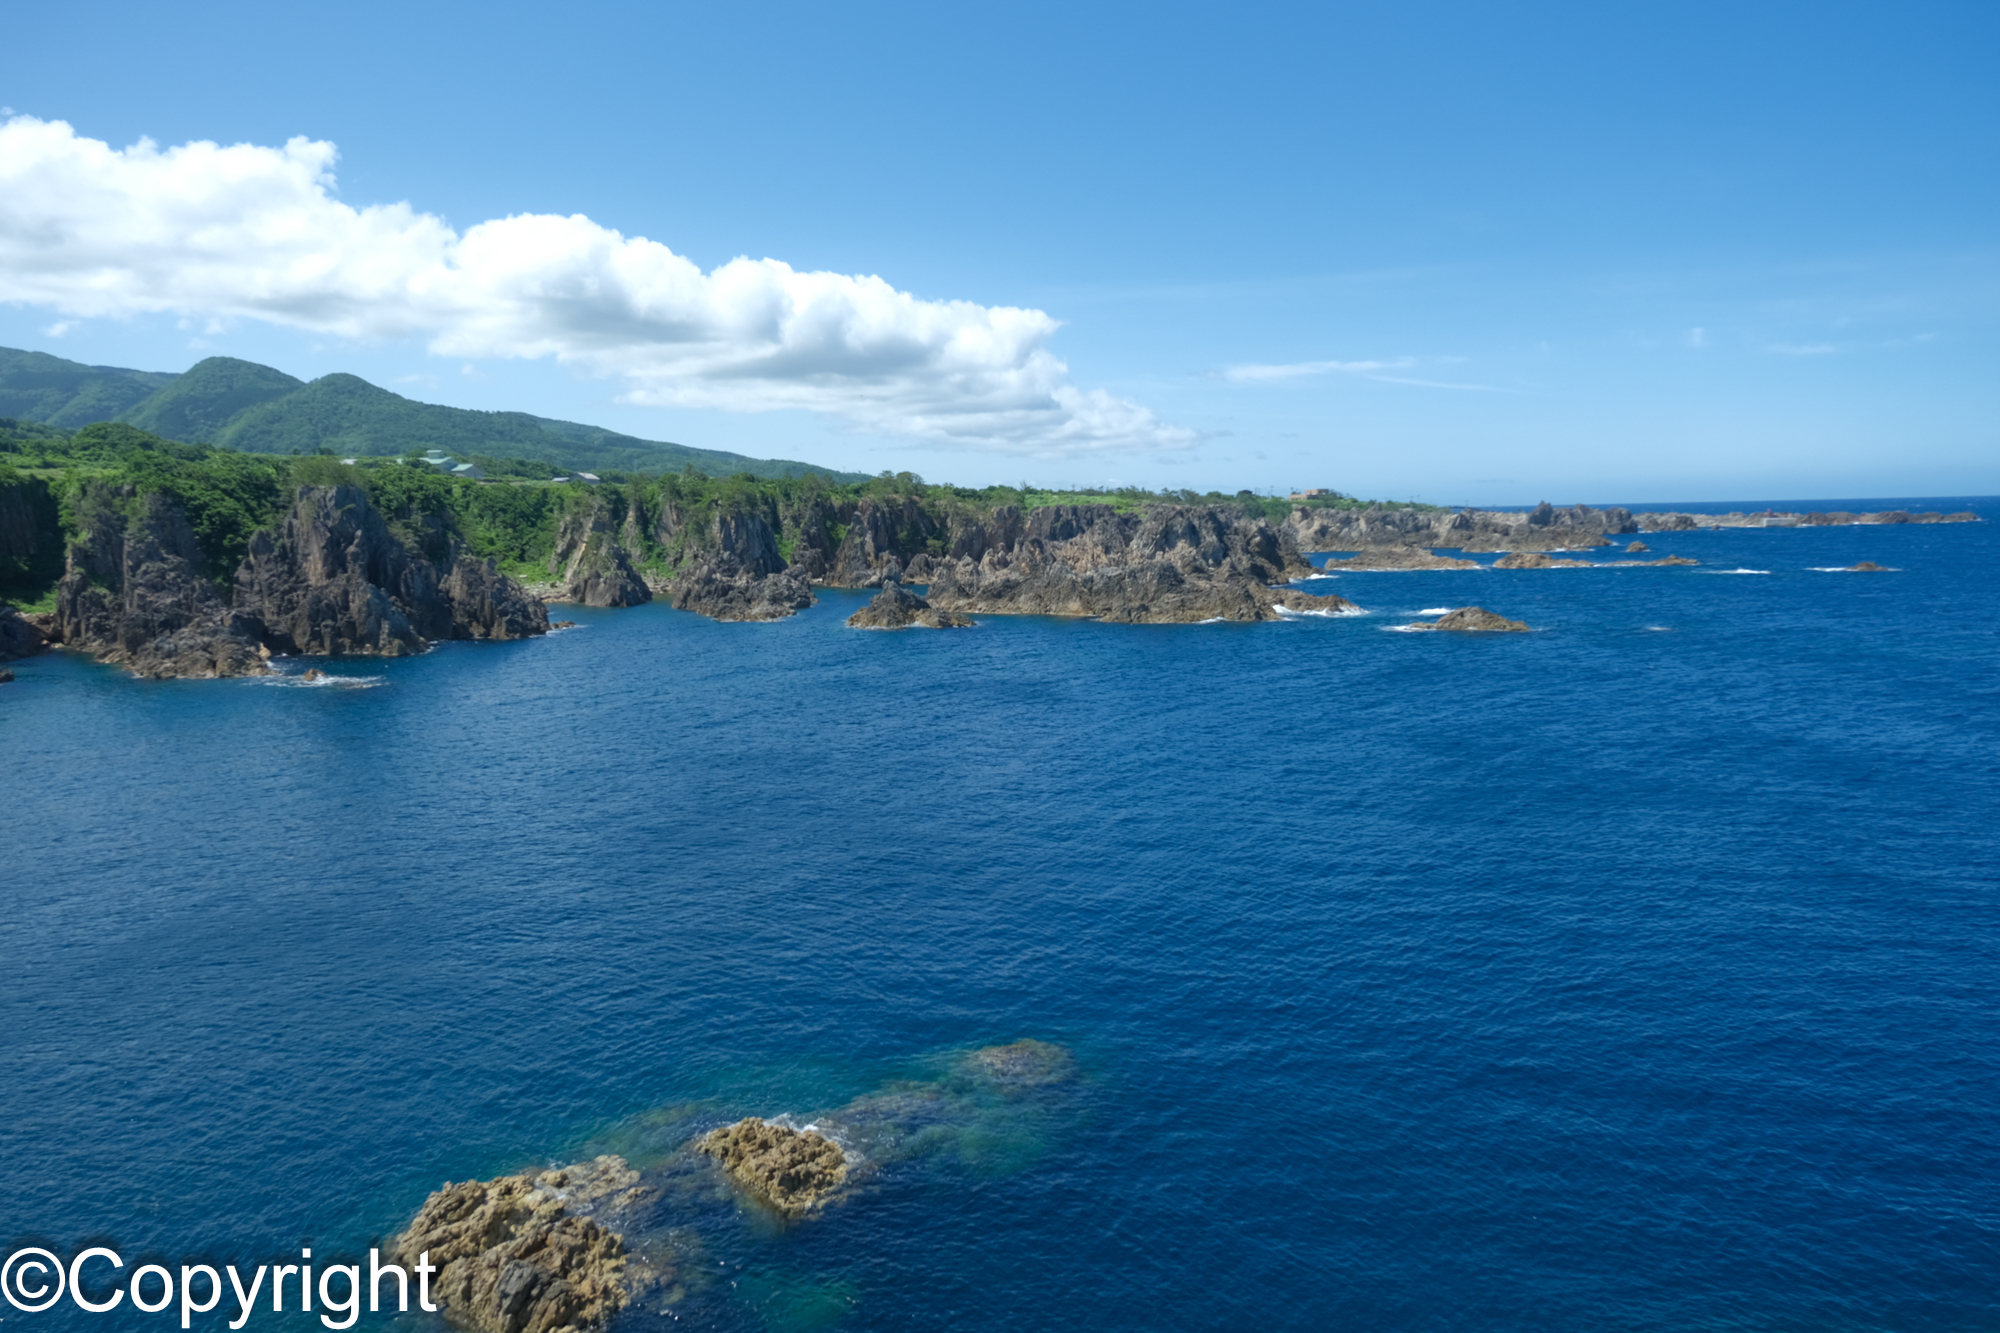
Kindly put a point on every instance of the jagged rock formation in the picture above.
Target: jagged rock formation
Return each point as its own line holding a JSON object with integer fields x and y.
{"x": 1544, "y": 528}
{"x": 896, "y": 607}
{"x": 1667, "y": 521}
{"x": 333, "y": 579}
{"x": 1474, "y": 618}
{"x": 723, "y": 590}
{"x": 790, "y": 1169}
{"x": 1537, "y": 560}
{"x": 1400, "y": 557}
{"x": 590, "y": 563}
{"x": 135, "y": 596}
{"x": 521, "y": 1254}
{"x": 1168, "y": 564}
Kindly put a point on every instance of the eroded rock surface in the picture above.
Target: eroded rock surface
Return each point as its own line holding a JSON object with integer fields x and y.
{"x": 518, "y": 1255}
{"x": 724, "y": 590}
{"x": 896, "y": 607}
{"x": 1474, "y": 618}
{"x": 19, "y": 636}
{"x": 792, "y": 1170}
{"x": 1384, "y": 527}
{"x": 590, "y": 563}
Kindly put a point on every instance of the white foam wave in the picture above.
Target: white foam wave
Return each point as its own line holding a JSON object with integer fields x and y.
{"x": 1212, "y": 620}
{"x": 1433, "y": 611}
{"x": 1736, "y": 571}
{"x": 321, "y": 682}
{"x": 1348, "y": 610}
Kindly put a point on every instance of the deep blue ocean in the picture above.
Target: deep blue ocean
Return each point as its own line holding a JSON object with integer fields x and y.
{"x": 1640, "y": 973}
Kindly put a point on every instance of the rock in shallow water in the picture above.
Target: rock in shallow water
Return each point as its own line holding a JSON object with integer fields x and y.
{"x": 514, "y": 1256}
{"x": 896, "y": 607}
{"x": 1475, "y": 618}
{"x": 790, "y": 1169}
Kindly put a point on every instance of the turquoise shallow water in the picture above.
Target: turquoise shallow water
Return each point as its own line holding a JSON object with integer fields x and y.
{"x": 1634, "y": 974}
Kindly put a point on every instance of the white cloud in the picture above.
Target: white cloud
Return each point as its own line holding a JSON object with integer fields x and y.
{"x": 1805, "y": 349}
{"x": 1262, "y": 374}
{"x": 1373, "y": 370}
{"x": 251, "y": 232}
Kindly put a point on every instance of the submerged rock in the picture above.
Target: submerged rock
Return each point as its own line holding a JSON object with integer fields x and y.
{"x": 1867, "y": 567}
{"x": 514, "y": 1256}
{"x": 1027, "y": 1063}
{"x": 896, "y": 607}
{"x": 792, "y": 1170}
{"x": 1475, "y": 618}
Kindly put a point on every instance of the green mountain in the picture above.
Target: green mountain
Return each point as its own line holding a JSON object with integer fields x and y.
{"x": 197, "y": 406}
{"x": 35, "y": 386}
{"x": 255, "y": 409}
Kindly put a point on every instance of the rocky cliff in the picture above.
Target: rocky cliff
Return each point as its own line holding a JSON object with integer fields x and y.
{"x": 896, "y": 607}
{"x": 1170, "y": 563}
{"x": 333, "y": 578}
{"x": 591, "y": 564}
{"x": 1543, "y": 528}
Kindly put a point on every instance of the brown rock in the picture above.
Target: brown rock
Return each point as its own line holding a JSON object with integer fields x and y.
{"x": 792, "y": 1170}
{"x": 1867, "y": 567}
{"x": 1473, "y": 618}
{"x": 1536, "y": 560}
{"x": 516, "y": 1255}
{"x": 1637, "y": 547}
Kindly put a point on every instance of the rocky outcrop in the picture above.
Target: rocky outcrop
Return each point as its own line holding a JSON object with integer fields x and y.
{"x": 896, "y": 607}
{"x": 19, "y": 637}
{"x": 723, "y": 590}
{"x": 791, "y": 1170}
{"x": 1668, "y": 521}
{"x": 1537, "y": 560}
{"x": 1399, "y": 557}
{"x": 1472, "y": 618}
{"x": 590, "y": 562}
{"x": 1867, "y": 567}
{"x": 1167, "y": 564}
{"x": 1637, "y": 547}
{"x": 333, "y": 579}
{"x": 523, "y": 1253}
{"x": 135, "y": 595}
{"x": 1378, "y": 527}
{"x": 881, "y": 538}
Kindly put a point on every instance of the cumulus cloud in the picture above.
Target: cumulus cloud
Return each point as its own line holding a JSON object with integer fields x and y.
{"x": 252, "y": 232}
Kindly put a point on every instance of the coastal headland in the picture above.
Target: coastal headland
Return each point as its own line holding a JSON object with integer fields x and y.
{"x": 179, "y": 560}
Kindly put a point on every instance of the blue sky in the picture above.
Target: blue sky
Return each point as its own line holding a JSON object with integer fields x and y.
{"x": 1463, "y": 253}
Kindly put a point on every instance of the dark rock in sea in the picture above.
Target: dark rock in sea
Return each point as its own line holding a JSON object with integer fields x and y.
{"x": 896, "y": 607}
{"x": 590, "y": 562}
{"x": 1637, "y": 547}
{"x": 518, "y": 1255}
{"x": 1671, "y": 560}
{"x": 1473, "y": 618}
{"x": 19, "y": 636}
{"x": 563, "y": 624}
{"x": 1535, "y": 560}
{"x": 1400, "y": 557}
{"x": 6, "y": 676}
{"x": 1867, "y": 567}
{"x": 723, "y": 590}
{"x": 791, "y": 1170}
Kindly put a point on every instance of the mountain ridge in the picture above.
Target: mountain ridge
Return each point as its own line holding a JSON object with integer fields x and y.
{"x": 254, "y": 408}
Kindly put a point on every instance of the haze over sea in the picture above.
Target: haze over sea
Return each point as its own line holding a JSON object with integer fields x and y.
{"x": 1637, "y": 973}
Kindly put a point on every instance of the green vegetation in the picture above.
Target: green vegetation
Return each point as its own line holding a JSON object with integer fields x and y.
{"x": 254, "y": 409}
{"x": 55, "y": 485}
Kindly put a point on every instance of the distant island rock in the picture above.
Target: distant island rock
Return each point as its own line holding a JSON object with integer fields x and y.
{"x": 1637, "y": 547}
{"x": 896, "y": 607}
{"x": 792, "y": 1170}
{"x": 1472, "y": 618}
{"x": 1383, "y": 527}
{"x": 1867, "y": 567}
{"x": 522, "y": 1253}
{"x": 1537, "y": 560}
{"x": 1399, "y": 557}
